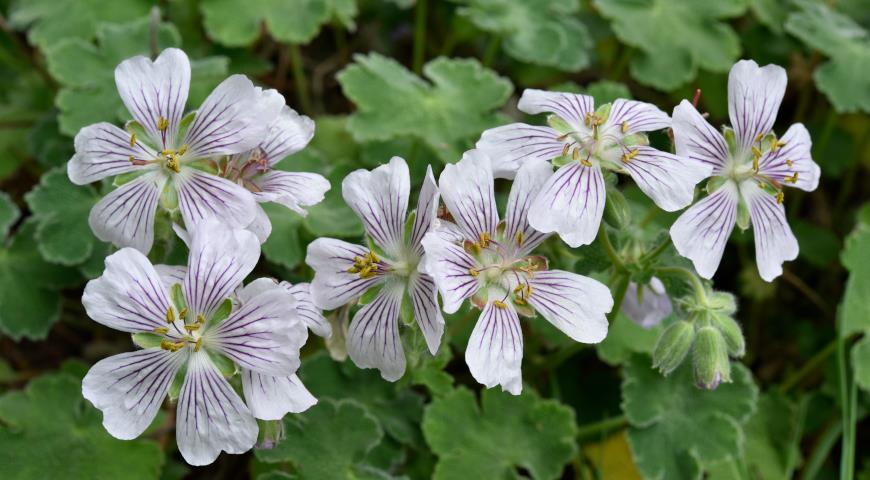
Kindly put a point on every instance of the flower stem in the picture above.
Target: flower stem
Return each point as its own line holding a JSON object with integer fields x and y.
{"x": 849, "y": 400}
{"x": 299, "y": 80}
{"x": 660, "y": 248}
{"x": 814, "y": 362}
{"x": 603, "y": 426}
{"x": 609, "y": 250}
{"x": 700, "y": 291}
{"x": 491, "y": 50}
{"x": 419, "y": 35}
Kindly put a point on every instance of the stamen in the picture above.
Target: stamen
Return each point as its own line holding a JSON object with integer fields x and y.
{"x": 625, "y": 127}
{"x": 575, "y": 154}
{"x": 162, "y": 123}
{"x": 755, "y": 163}
{"x": 182, "y": 313}
{"x": 789, "y": 162}
{"x": 200, "y": 319}
{"x": 565, "y": 149}
{"x": 132, "y": 139}
{"x": 183, "y": 149}
{"x": 585, "y": 162}
{"x": 170, "y": 315}
{"x": 758, "y": 138}
{"x": 563, "y": 137}
{"x": 197, "y": 345}
{"x": 499, "y": 304}
{"x": 366, "y": 272}
{"x": 628, "y": 156}
{"x": 192, "y": 327}
{"x": 161, "y": 330}
{"x": 792, "y": 179}
{"x": 172, "y": 162}
{"x": 473, "y": 272}
{"x": 521, "y": 238}
{"x": 780, "y": 196}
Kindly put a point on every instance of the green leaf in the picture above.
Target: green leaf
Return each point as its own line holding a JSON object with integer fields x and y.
{"x": 677, "y": 428}
{"x": 543, "y": 32}
{"x": 447, "y": 114}
{"x": 9, "y": 214}
{"x": 49, "y": 428}
{"x": 332, "y": 217}
{"x": 845, "y": 79}
{"x": 771, "y": 13}
{"x": 675, "y": 37}
{"x": 61, "y": 210}
{"x": 283, "y": 246}
{"x": 854, "y": 310}
{"x": 605, "y": 91}
{"x": 502, "y": 434}
{"x": 861, "y": 362}
{"x": 328, "y": 441}
{"x": 86, "y": 72}
{"x": 47, "y": 144}
{"x": 771, "y": 448}
{"x": 29, "y": 302}
{"x": 625, "y": 338}
{"x": 51, "y": 21}
{"x": 293, "y": 21}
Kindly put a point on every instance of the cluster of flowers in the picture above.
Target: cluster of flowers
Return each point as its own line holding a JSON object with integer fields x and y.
{"x": 198, "y": 326}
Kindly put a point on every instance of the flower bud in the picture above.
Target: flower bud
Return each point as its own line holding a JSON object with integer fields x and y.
{"x": 616, "y": 211}
{"x": 710, "y": 358}
{"x": 672, "y": 346}
{"x": 731, "y": 332}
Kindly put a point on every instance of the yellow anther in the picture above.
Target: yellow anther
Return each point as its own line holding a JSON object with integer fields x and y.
{"x": 528, "y": 291}
{"x": 366, "y": 273}
{"x": 520, "y": 301}
{"x": 756, "y": 152}
{"x": 761, "y": 185}
{"x": 162, "y": 123}
{"x": 197, "y": 345}
{"x": 575, "y": 154}
{"x": 161, "y": 330}
{"x": 755, "y": 164}
{"x": 172, "y": 163}
{"x": 192, "y": 327}
{"x": 758, "y": 138}
{"x": 519, "y": 288}
{"x": 585, "y": 163}
{"x": 132, "y": 159}
{"x": 132, "y": 139}
{"x": 170, "y": 315}
{"x": 624, "y": 127}
{"x": 182, "y": 313}
{"x": 499, "y": 304}
{"x": 484, "y": 239}
{"x": 167, "y": 345}
{"x": 563, "y": 137}
{"x": 353, "y": 269}
{"x": 776, "y": 145}
{"x": 628, "y": 156}
{"x": 183, "y": 149}
{"x": 473, "y": 272}
{"x": 521, "y": 238}
{"x": 793, "y": 178}
{"x": 565, "y": 149}
{"x": 789, "y": 162}
{"x": 200, "y": 319}
{"x": 780, "y": 196}
{"x": 373, "y": 257}
{"x": 587, "y": 119}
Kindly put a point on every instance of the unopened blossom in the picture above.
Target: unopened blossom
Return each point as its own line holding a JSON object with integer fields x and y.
{"x": 750, "y": 166}
{"x": 492, "y": 263}
{"x": 254, "y": 170}
{"x": 582, "y": 142}
{"x": 162, "y": 157}
{"x": 343, "y": 271}
{"x": 646, "y": 304}
{"x": 190, "y": 332}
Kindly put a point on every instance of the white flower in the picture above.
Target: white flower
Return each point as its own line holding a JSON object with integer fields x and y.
{"x": 189, "y": 332}
{"x": 491, "y": 262}
{"x": 647, "y": 305}
{"x": 750, "y": 168}
{"x": 581, "y": 141}
{"x": 253, "y": 170}
{"x": 344, "y": 271}
{"x": 168, "y": 152}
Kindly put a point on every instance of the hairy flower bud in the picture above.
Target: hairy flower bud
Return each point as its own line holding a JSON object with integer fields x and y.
{"x": 710, "y": 358}
{"x": 731, "y": 332}
{"x": 672, "y": 346}
{"x": 616, "y": 211}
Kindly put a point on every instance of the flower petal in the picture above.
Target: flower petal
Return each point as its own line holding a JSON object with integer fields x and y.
{"x": 125, "y": 217}
{"x": 754, "y": 96}
{"x": 666, "y": 178}
{"x": 261, "y": 226}
{"x": 373, "y": 338}
{"x": 696, "y": 139}
{"x": 129, "y": 296}
{"x": 424, "y": 298}
{"x": 307, "y": 311}
{"x": 571, "y": 204}
{"x": 467, "y": 190}
{"x": 203, "y": 197}
{"x": 495, "y": 349}
{"x": 510, "y": 146}
{"x": 220, "y": 258}
{"x": 130, "y": 387}
{"x": 211, "y": 417}
{"x": 171, "y": 274}
{"x": 574, "y": 304}
{"x": 270, "y": 398}
{"x": 333, "y": 286}
{"x": 263, "y": 334}
{"x": 155, "y": 90}
{"x": 103, "y": 150}
{"x": 775, "y": 164}
{"x": 449, "y": 266}
{"x": 774, "y": 241}
{"x": 380, "y": 199}
{"x": 647, "y": 305}
{"x": 529, "y": 181}
{"x": 701, "y": 232}
{"x": 427, "y": 210}
{"x": 289, "y": 133}
{"x": 234, "y": 118}
{"x": 294, "y": 190}
{"x": 570, "y": 107}
{"x": 636, "y": 117}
